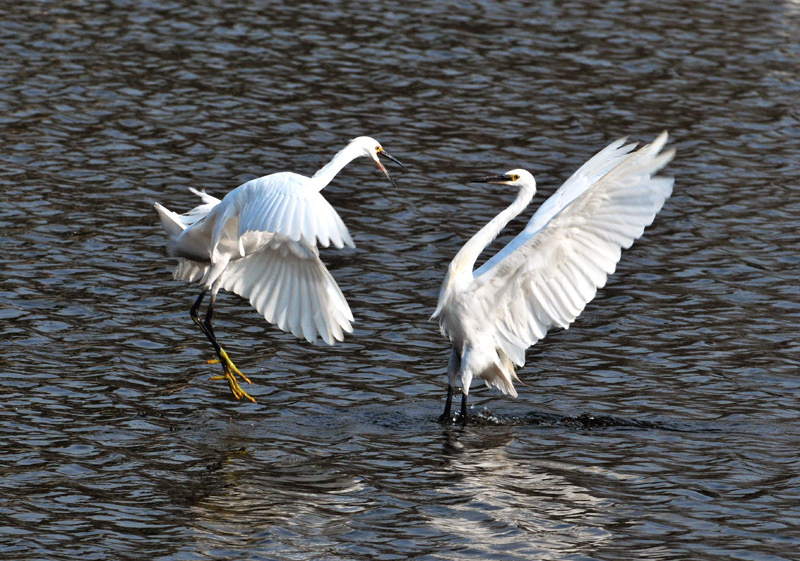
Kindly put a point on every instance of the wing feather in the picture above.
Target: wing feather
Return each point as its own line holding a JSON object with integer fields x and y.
{"x": 281, "y": 279}
{"x": 190, "y": 271}
{"x": 307, "y": 295}
{"x": 572, "y": 243}
{"x": 288, "y": 284}
{"x": 283, "y": 204}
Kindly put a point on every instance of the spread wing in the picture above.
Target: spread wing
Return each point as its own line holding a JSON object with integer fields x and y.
{"x": 547, "y": 274}
{"x": 283, "y": 204}
{"x": 287, "y": 283}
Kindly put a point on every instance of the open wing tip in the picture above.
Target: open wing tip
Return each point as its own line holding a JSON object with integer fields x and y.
{"x": 668, "y": 154}
{"x": 348, "y": 240}
{"x": 659, "y": 143}
{"x": 313, "y": 240}
{"x": 338, "y": 243}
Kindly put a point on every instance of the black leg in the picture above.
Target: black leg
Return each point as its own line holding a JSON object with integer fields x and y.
{"x": 205, "y": 326}
{"x": 463, "y": 408}
{"x": 447, "y": 404}
{"x": 209, "y": 315}
{"x": 195, "y": 308}
{"x": 228, "y": 367}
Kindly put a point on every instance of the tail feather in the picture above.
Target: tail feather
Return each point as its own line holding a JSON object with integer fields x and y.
{"x": 174, "y": 224}
{"x": 170, "y": 221}
{"x": 501, "y": 375}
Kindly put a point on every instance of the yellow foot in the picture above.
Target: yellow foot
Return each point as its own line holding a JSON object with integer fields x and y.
{"x": 236, "y": 389}
{"x": 230, "y": 369}
{"x": 230, "y": 366}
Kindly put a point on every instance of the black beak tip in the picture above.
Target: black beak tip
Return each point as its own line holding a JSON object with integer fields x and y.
{"x": 500, "y": 179}
{"x": 393, "y": 159}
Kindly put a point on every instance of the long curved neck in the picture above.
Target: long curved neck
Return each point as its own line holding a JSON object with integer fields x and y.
{"x": 326, "y": 174}
{"x": 464, "y": 261}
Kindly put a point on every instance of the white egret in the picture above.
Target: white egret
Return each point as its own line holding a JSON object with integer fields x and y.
{"x": 546, "y": 275}
{"x": 260, "y": 242}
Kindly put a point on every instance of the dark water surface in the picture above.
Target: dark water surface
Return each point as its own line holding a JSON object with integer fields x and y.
{"x": 662, "y": 425}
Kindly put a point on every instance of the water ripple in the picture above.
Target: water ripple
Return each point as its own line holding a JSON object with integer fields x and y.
{"x": 661, "y": 425}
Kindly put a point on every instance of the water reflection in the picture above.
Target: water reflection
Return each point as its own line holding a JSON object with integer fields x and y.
{"x": 270, "y": 502}
{"x": 496, "y": 504}
{"x": 115, "y": 444}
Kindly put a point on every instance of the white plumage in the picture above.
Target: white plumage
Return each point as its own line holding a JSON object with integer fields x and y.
{"x": 260, "y": 242}
{"x": 546, "y": 275}
{"x": 265, "y": 233}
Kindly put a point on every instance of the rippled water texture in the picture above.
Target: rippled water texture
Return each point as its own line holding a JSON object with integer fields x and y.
{"x": 662, "y": 425}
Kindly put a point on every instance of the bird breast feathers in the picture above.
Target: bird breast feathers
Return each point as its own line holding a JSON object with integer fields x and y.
{"x": 458, "y": 307}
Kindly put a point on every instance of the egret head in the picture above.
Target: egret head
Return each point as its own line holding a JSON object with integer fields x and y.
{"x": 515, "y": 178}
{"x": 372, "y": 149}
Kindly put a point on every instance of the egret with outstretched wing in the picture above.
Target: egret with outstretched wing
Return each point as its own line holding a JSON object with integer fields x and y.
{"x": 547, "y": 274}
{"x": 260, "y": 242}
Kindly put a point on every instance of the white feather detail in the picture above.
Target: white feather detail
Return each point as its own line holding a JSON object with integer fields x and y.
{"x": 288, "y": 284}
{"x": 284, "y": 204}
{"x": 567, "y": 251}
{"x": 545, "y": 276}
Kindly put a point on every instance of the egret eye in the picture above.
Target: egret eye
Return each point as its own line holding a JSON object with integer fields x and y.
{"x": 378, "y": 149}
{"x": 514, "y": 177}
